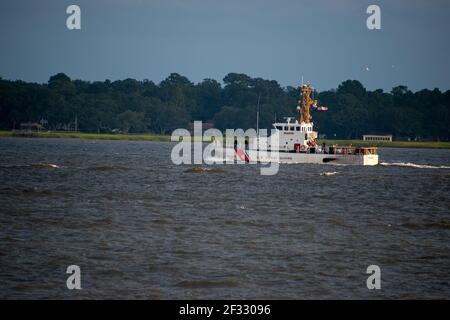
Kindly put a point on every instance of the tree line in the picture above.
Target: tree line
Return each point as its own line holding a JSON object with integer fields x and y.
{"x": 142, "y": 106}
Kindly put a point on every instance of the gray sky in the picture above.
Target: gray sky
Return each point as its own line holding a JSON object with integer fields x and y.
{"x": 326, "y": 41}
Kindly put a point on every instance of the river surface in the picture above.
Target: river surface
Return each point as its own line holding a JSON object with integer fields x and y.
{"x": 141, "y": 227}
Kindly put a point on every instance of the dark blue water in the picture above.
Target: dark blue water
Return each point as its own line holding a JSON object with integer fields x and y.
{"x": 140, "y": 227}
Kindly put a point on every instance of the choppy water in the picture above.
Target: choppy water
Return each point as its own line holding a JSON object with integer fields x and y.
{"x": 141, "y": 227}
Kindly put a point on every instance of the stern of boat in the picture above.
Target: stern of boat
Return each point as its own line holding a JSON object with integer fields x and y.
{"x": 370, "y": 159}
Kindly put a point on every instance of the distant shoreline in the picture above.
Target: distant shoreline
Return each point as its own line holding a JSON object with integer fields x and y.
{"x": 166, "y": 138}
{"x": 83, "y": 135}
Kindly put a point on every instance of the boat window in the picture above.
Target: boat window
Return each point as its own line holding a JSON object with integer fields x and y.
{"x": 297, "y": 128}
{"x": 286, "y": 128}
{"x": 279, "y": 128}
{"x": 291, "y": 128}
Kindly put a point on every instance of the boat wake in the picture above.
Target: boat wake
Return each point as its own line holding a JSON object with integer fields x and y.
{"x": 34, "y": 165}
{"x": 413, "y": 165}
{"x": 328, "y": 173}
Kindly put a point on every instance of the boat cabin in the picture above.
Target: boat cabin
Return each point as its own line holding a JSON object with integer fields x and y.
{"x": 292, "y": 136}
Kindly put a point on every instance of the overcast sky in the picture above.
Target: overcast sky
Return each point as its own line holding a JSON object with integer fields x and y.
{"x": 326, "y": 41}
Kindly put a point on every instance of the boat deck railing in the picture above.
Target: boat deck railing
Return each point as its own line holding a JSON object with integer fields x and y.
{"x": 334, "y": 149}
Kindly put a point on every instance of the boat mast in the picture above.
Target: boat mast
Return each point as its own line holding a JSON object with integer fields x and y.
{"x": 257, "y": 117}
{"x": 305, "y": 103}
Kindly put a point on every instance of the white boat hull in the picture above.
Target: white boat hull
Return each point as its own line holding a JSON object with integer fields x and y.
{"x": 351, "y": 159}
{"x": 291, "y": 157}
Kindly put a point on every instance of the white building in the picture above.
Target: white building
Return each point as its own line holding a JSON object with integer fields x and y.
{"x": 372, "y": 137}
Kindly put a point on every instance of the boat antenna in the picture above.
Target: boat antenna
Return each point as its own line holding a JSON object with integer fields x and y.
{"x": 257, "y": 116}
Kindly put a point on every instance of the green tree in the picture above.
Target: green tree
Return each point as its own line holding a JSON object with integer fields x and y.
{"x": 132, "y": 122}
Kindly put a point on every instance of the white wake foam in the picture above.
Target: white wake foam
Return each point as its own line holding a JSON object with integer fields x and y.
{"x": 413, "y": 165}
{"x": 328, "y": 173}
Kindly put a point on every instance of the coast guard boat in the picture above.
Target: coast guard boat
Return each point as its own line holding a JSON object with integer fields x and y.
{"x": 295, "y": 141}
